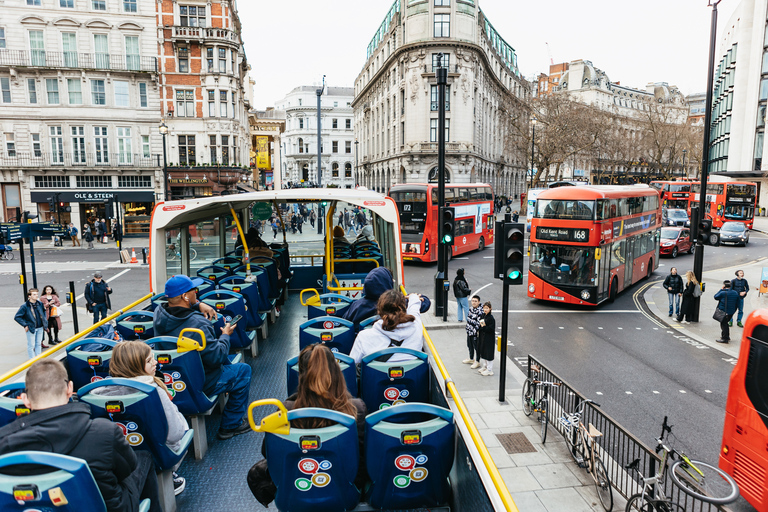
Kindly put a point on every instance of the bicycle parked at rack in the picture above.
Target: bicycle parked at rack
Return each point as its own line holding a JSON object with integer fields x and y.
{"x": 171, "y": 253}
{"x": 6, "y": 252}
{"x": 536, "y": 400}
{"x": 695, "y": 478}
{"x": 582, "y": 443}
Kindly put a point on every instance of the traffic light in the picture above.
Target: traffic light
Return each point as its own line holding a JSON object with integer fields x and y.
{"x": 449, "y": 225}
{"x": 52, "y": 204}
{"x": 513, "y": 242}
{"x": 705, "y": 232}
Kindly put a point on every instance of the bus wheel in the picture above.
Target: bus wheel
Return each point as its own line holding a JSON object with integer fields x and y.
{"x": 650, "y": 268}
{"x": 481, "y": 245}
{"x": 614, "y": 286}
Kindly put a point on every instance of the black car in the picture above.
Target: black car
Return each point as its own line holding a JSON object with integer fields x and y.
{"x": 736, "y": 233}
{"x": 672, "y": 217}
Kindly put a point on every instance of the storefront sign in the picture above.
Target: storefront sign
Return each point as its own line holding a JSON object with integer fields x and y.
{"x": 262, "y": 152}
{"x": 95, "y": 196}
{"x": 188, "y": 181}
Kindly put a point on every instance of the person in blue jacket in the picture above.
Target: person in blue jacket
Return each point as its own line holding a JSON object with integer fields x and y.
{"x": 729, "y": 302}
{"x": 183, "y": 311}
{"x": 31, "y": 316}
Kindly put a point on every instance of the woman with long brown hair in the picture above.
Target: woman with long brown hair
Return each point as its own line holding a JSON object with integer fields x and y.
{"x": 50, "y": 300}
{"x": 685, "y": 308}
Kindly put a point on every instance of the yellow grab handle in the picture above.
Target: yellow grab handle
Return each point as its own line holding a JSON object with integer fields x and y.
{"x": 275, "y": 423}
{"x": 312, "y": 301}
{"x": 185, "y": 344}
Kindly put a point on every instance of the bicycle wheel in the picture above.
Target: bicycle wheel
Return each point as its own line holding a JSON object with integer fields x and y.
{"x": 709, "y": 483}
{"x": 192, "y": 254}
{"x": 170, "y": 255}
{"x": 528, "y": 391}
{"x": 640, "y": 503}
{"x": 603, "y": 485}
{"x": 543, "y": 419}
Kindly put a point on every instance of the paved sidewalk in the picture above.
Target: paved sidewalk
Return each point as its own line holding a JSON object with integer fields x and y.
{"x": 546, "y": 480}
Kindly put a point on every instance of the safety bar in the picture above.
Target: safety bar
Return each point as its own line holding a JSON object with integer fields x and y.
{"x": 341, "y": 288}
{"x": 352, "y": 260}
{"x": 474, "y": 433}
{"x": 74, "y": 338}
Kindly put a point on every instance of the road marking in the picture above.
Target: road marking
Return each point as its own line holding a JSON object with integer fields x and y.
{"x": 599, "y": 393}
{"x": 519, "y": 327}
{"x": 540, "y": 327}
{"x": 481, "y": 289}
{"x": 600, "y": 328}
{"x": 707, "y": 391}
{"x": 621, "y": 328}
{"x": 107, "y": 280}
{"x": 581, "y": 328}
{"x": 487, "y": 257}
{"x": 683, "y": 391}
{"x": 561, "y": 327}
{"x": 628, "y": 392}
{"x": 656, "y": 393}
{"x": 638, "y": 328}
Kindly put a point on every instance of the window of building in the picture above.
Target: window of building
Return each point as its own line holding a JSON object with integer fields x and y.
{"x": 101, "y": 49}
{"x": 93, "y": 181}
{"x": 69, "y": 46}
{"x": 183, "y": 59}
{"x": 122, "y": 99}
{"x": 67, "y": 4}
{"x": 335, "y": 146}
{"x": 10, "y": 145}
{"x": 100, "y": 142}
{"x": 57, "y": 144}
{"x": 98, "y": 91}
{"x": 134, "y": 181}
{"x": 402, "y": 133}
{"x": 225, "y": 149}
{"x": 222, "y": 60}
{"x": 124, "y": 151}
{"x": 442, "y": 25}
{"x": 78, "y": 144}
{"x": 74, "y": 91}
{"x": 348, "y": 124}
{"x": 301, "y": 145}
{"x": 145, "y": 153}
{"x": 52, "y": 88}
{"x": 446, "y": 61}
{"x": 143, "y": 94}
{"x": 5, "y": 87}
{"x": 99, "y": 5}
{"x": 335, "y": 104}
{"x": 233, "y": 104}
{"x": 187, "y": 152}
{"x": 223, "y": 103}
{"x": 301, "y": 123}
{"x": 434, "y": 104}
{"x": 433, "y": 130}
{"x": 212, "y": 145}
{"x": 2, "y": 38}
{"x": 33, "y": 2}
{"x": 348, "y": 147}
{"x": 211, "y": 103}
{"x": 37, "y": 47}
{"x": 191, "y": 16}
{"x": 209, "y": 59}
{"x": 129, "y": 5}
{"x": 335, "y": 170}
{"x": 444, "y": 3}
{"x": 132, "y": 57}
{"x": 37, "y": 149}
{"x": 51, "y": 182}
{"x": 32, "y": 88}
{"x": 335, "y": 123}
{"x": 348, "y": 170}
{"x": 185, "y": 103}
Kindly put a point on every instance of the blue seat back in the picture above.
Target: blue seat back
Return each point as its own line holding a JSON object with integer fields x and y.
{"x": 314, "y": 470}
{"x": 336, "y": 333}
{"x": 409, "y": 463}
{"x": 250, "y": 291}
{"x": 283, "y": 256}
{"x": 262, "y": 279}
{"x": 158, "y": 300}
{"x": 213, "y": 272}
{"x": 228, "y": 263}
{"x": 139, "y": 414}
{"x": 183, "y": 373}
{"x": 88, "y": 360}
{"x": 237, "y": 253}
{"x": 135, "y": 325}
{"x": 71, "y": 478}
{"x": 270, "y": 267}
{"x": 207, "y": 286}
{"x": 387, "y": 383}
{"x": 230, "y": 304}
{"x": 346, "y": 363}
{"x": 368, "y": 322}
{"x": 11, "y": 407}
{"x": 331, "y": 304}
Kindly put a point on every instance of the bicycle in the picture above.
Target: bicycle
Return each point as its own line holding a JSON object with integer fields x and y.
{"x": 6, "y": 252}
{"x": 582, "y": 442}
{"x": 695, "y": 478}
{"x": 532, "y": 402}
{"x": 171, "y": 253}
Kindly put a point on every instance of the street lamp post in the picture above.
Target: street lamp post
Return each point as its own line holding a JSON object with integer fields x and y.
{"x": 533, "y": 145}
{"x": 164, "y": 131}
{"x": 356, "y": 171}
{"x": 685, "y": 174}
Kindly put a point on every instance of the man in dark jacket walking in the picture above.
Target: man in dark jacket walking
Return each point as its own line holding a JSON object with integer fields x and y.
{"x": 55, "y": 425}
{"x": 740, "y": 286}
{"x": 97, "y": 297}
{"x": 729, "y": 300}
{"x": 31, "y": 316}
{"x": 674, "y": 286}
{"x": 183, "y": 311}
{"x": 461, "y": 291}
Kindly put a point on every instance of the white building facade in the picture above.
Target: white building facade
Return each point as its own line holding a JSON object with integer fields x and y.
{"x": 299, "y": 141}
{"x": 79, "y": 110}
{"x": 396, "y": 107}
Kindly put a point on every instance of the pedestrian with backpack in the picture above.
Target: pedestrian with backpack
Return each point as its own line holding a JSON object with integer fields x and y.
{"x": 88, "y": 235}
{"x": 462, "y": 292}
{"x": 97, "y": 297}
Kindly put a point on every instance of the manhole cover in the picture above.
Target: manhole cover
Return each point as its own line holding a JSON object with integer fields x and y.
{"x": 516, "y": 443}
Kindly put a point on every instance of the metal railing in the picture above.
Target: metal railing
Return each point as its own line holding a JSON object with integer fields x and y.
{"x": 78, "y": 159}
{"x": 75, "y": 60}
{"x": 617, "y": 447}
{"x": 207, "y": 33}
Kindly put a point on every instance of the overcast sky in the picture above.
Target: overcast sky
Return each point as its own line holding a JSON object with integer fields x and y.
{"x": 295, "y": 42}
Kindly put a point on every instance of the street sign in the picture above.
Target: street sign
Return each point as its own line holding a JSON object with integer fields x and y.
{"x": 262, "y": 211}
{"x": 14, "y": 231}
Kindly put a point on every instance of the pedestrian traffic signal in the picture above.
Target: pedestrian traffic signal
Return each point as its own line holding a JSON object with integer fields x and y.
{"x": 513, "y": 242}
{"x": 449, "y": 225}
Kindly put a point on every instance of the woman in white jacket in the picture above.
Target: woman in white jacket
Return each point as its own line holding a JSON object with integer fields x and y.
{"x": 400, "y": 326}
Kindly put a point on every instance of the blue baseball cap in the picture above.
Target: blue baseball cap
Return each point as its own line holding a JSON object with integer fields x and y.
{"x": 177, "y": 285}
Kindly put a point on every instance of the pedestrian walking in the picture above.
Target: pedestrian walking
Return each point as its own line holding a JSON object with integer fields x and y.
{"x": 52, "y": 305}
{"x": 73, "y": 234}
{"x": 462, "y": 292}
{"x": 275, "y": 228}
{"x": 674, "y": 286}
{"x": 312, "y": 218}
{"x": 31, "y": 316}
{"x": 103, "y": 236}
{"x": 728, "y": 303}
{"x": 117, "y": 233}
{"x": 88, "y": 235}
{"x": 97, "y": 297}
{"x": 473, "y": 328}
{"x": 294, "y": 222}
{"x": 361, "y": 220}
{"x": 486, "y": 343}
{"x": 740, "y": 286}
{"x": 686, "y": 308}
{"x": 515, "y": 216}
{"x": 299, "y": 222}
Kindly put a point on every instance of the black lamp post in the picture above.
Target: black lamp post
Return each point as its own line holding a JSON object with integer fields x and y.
{"x": 533, "y": 145}
{"x": 685, "y": 174}
{"x": 164, "y": 131}
{"x": 356, "y": 178}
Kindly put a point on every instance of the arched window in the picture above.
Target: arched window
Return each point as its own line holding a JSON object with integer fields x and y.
{"x": 301, "y": 145}
{"x": 348, "y": 170}
{"x": 335, "y": 169}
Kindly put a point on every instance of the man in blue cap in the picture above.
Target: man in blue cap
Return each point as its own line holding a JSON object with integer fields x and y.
{"x": 184, "y": 311}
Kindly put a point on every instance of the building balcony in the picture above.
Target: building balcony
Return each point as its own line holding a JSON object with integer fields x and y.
{"x": 207, "y": 35}
{"x": 79, "y": 160}
{"x": 431, "y": 147}
{"x": 74, "y": 60}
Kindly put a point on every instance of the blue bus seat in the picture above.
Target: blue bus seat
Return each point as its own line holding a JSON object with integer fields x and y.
{"x": 11, "y": 406}
{"x": 158, "y": 300}
{"x": 135, "y": 325}
{"x": 270, "y": 266}
{"x": 228, "y": 263}
{"x": 409, "y": 463}
{"x": 88, "y": 360}
{"x": 314, "y": 470}
{"x": 386, "y": 383}
{"x": 330, "y": 305}
{"x": 253, "y": 299}
{"x": 231, "y": 304}
{"x": 262, "y": 278}
{"x": 207, "y": 286}
{"x": 336, "y": 333}
{"x": 213, "y": 272}
{"x": 237, "y": 253}
{"x": 72, "y": 480}
{"x": 368, "y": 322}
{"x": 346, "y": 363}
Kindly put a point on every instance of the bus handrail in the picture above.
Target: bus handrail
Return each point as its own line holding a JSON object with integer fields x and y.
{"x": 74, "y": 338}
{"x": 474, "y": 433}
{"x": 352, "y": 260}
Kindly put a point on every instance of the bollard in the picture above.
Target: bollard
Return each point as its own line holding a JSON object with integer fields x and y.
{"x": 71, "y": 300}
{"x": 144, "y": 255}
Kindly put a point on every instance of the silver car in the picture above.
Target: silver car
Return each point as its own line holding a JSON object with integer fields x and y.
{"x": 736, "y": 233}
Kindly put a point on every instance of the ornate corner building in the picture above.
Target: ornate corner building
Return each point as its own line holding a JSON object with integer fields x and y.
{"x": 396, "y": 107}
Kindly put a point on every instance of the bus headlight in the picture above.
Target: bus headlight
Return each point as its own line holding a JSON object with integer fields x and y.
{"x": 531, "y": 288}
{"x": 585, "y": 294}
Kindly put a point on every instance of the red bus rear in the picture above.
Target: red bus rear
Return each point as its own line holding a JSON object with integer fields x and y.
{"x": 744, "y": 451}
{"x": 589, "y": 243}
{"x": 674, "y": 194}
{"x": 727, "y": 202}
{"x": 417, "y": 205}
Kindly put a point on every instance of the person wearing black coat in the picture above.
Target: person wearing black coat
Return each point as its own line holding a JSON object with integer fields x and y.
{"x": 486, "y": 343}
{"x": 31, "y": 316}
{"x": 461, "y": 291}
{"x": 55, "y": 425}
{"x": 686, "y": 308}
{"x": 674, "y": 286}
{"x": 97, "y": 297}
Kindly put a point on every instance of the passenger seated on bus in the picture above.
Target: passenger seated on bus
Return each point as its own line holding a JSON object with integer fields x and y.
{"x": 321, "y": 384}
{"x": 56, "y": 425}
{"x": 366, "y": 234}
{"x": 256, "y": 246}
{"x": 339, "y": 238}
{"x": 220, "y": 376}
{"x": 400, "y": 326}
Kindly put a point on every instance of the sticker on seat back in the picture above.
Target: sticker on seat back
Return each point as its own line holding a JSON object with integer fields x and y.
{"x": 316, "y": 470}
{"x": 410, "y": 464}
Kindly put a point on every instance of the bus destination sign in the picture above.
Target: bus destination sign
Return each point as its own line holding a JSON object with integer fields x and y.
{"x": 562, "y": 234}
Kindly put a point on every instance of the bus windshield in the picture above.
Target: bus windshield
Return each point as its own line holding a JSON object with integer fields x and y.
{"x": 738, "y": 212}
{"x": 412, "y": 206}
{"x": 565, "y": 209}
{"x": 562, "y": 264}
{"x": 741, "y": 190}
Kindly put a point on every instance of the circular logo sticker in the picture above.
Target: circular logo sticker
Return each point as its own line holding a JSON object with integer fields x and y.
{"x": 122, "y": 427}
{"x": 384, "y": 406}
{"x": 179, "y": 386}
{"x": 96, "y": 378}
{"x": 134, "y": 439}
{"x": 405, "y": 462}
{"x": 401, "y": 481}
{"x": 327, "y": 324}
{"x": 131, "y": 426}
{"x": 321, "y": 479}
{"x": 418, "y": 474}
{"x": 404, "y": 393}
{"x": 167, "y": 379}
{"x": 176, "y": 375}
{"x": 421, "y": 459}
{"x": 325, "y": 465}
{"x": 398, "y": 402}
{"x": 391, "y": 393}
{"x": 308, "y": 466}
{"x": 303, "y": 484}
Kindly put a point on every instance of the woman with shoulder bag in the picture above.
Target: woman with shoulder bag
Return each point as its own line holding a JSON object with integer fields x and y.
{"x": 88, "y": 235}
{"x": 52, "y": 305}
{"x": 688, "y": 295}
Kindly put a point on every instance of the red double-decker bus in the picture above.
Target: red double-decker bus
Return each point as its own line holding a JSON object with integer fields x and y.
{"x": 674, "y": 194}
{"x": 417, "y": 205}
{"x": 726, "y": 202}
{"x": 589, "y": 243}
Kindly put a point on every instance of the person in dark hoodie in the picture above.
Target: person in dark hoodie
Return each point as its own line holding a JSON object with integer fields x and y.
{"x": 183, "y": 311}
{"x": 97, "y": 297}
{"x": 56, "y": 425}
